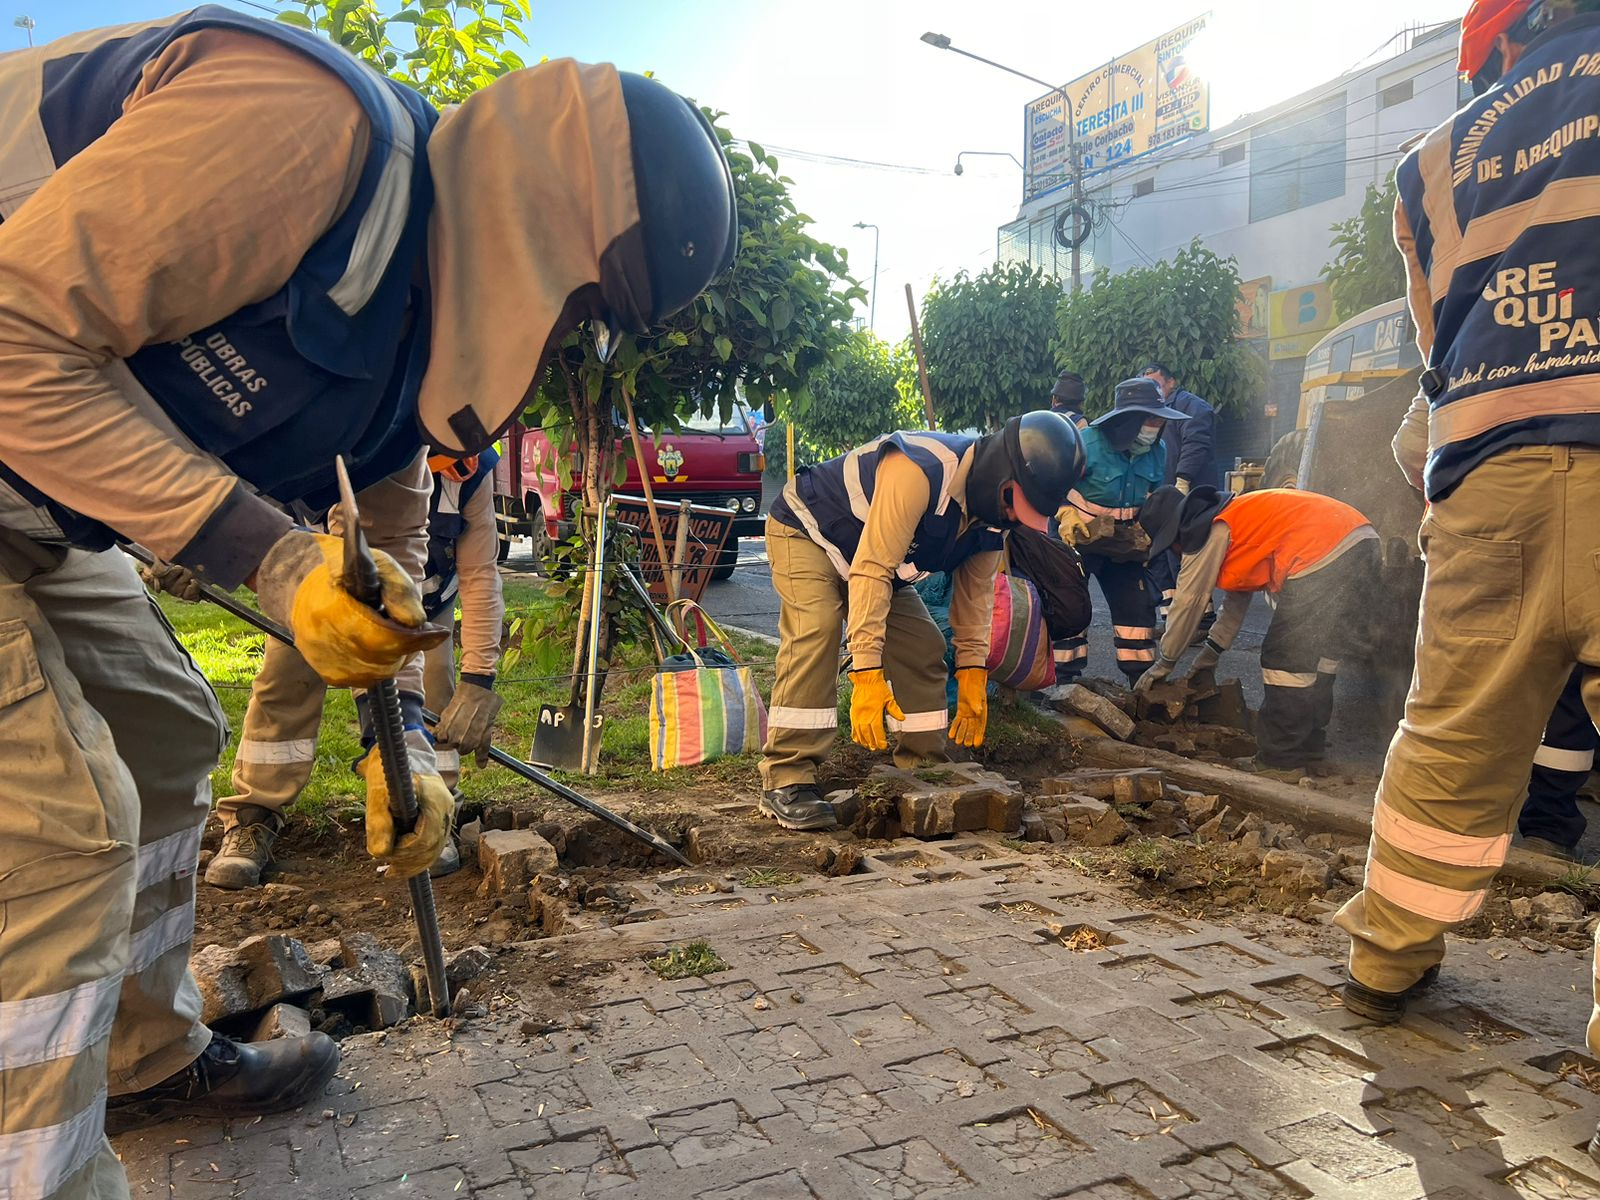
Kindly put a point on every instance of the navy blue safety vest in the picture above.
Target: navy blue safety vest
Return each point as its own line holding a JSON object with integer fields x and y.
{"x": 1504, "y": 204}
{"x": 828, "y": 503}
{"x": 333, "y": 362}
{"x": 445, "y": 527}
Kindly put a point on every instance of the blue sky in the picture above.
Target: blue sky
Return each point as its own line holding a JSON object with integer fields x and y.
{"x": 850, "y": 79}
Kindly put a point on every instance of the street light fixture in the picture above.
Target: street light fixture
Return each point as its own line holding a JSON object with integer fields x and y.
{"x": 941, "y": 42}
{"x": 986, "y": 154}
{"x": 872, "y": 309}
{"x": 26, "y": 22}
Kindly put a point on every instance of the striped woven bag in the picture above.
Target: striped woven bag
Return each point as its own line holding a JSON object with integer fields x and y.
{"x": 1019, "y": 646}
{"x": 703, "y": 704}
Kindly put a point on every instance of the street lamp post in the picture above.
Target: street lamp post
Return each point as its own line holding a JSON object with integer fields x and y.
{"x": 986, "y": 154}
{"x": 26, "y": 23}
{"x": 941, "y": 42}
{"x": 872, "y": 307}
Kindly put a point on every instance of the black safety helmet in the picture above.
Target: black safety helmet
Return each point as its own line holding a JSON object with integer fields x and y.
{"x": 688, "y": 219}
{"x": 1168, "y": 517}
{"x": 1042, "y": 451}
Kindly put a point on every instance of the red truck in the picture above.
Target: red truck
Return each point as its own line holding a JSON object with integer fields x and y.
{"x": 706, "y": 462}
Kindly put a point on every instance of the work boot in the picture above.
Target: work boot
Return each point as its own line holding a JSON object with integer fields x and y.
{"x": 449, "y": 860}
{"x": 246, "y": 851}
{"x": 1539, "y": 845}
{"x": 233, "y": 1080}
{"x": 799, "y": 806}
{"x": 1385, "y": 1008}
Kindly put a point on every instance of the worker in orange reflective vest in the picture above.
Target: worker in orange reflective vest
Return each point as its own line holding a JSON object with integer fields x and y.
{"x": 1317, "y": 560}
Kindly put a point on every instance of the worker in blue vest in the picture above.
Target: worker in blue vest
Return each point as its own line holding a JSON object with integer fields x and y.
{"x": 1126, "y": 461}
{"x": 231, "y": 252}
{"x": 847, "y": 539}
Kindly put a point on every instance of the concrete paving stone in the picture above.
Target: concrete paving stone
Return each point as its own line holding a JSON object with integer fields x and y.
{"x": 928, "y": 1040}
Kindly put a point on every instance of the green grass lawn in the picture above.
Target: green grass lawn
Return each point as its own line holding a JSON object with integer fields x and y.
{"x": 229, "y": 653}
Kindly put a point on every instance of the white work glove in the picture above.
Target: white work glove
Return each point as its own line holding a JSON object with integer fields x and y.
{"x": 176, "y": 581}
{"x": 467, "y": 722}
{"x": 1156, "y": 673}
{"x": 1182, "y": 484}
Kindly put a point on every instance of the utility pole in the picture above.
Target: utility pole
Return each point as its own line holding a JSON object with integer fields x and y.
{"x": 1079, "y": 209}
{"x": 872, "y": 307}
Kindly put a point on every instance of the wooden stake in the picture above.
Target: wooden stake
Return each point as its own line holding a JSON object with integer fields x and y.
{"x": 669, "y": 582}
{"x": 922, "y": 362}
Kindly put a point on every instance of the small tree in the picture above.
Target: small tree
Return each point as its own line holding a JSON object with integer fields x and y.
{"x": 1180, "y": 313}
{"x": 861, "y": 395}
{"x": 1367, "y": 268}
{"x": 988, "y": 339}
{"x": 450, "y": 49}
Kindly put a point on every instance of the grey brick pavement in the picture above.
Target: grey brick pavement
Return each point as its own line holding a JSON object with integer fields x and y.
{"x": 934, "y": 1028}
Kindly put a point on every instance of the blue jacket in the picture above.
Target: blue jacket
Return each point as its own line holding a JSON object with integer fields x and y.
{"x": 1116, "y": 479}
{"x": 829, "y": 502}
{"x": 1189, "y": 443}
{"x": 1499, "y": 220}
{"x": 332, "y": 363}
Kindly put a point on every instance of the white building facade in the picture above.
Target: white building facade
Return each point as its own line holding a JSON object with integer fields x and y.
{"x": 1264, "y": 190}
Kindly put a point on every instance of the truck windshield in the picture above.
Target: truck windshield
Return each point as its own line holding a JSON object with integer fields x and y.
{"x": 737, "y": 424}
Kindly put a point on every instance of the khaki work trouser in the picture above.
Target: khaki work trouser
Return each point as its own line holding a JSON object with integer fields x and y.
{"x": 278, "y": 745}
{"x": 1510, "y": 603}
{"x": 110, "y": 734}
{"x": 805, "y": 696}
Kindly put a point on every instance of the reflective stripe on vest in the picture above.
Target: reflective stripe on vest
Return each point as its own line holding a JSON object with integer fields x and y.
{"x": 1504, "y": 204}
{"x": 1277, "y": 533}
{"x": 330, "y": 364}
{"x": 829, "y": 504}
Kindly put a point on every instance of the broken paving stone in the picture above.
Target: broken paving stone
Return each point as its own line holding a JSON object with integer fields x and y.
{"x": 258, "y": 972}
{"x": 1558, "y": 910}
{"x": 1227, "y": 707}
{"x": 1212, "y": 831}
{"x": 1304, "y": 870}
{"x": 1034, "y": 826}
{"x": 373, "y": 988}
{"x": 1174, "y": 743}
{"x": 1357, "y": 877}
{"x": 510, "y": 859}
{"x": 467, "y": 839}
{"x": 1200, "y": 809}
{"x": 1138, "y": 787}
{"x": 282, "y": 1020}
{"x": 1108, "y": 829}
{"x": 463, "y": 966}
{"x": 961, "y": 810}
{"x": 1078, "y": 700}
{"x": 1522, "y": 908}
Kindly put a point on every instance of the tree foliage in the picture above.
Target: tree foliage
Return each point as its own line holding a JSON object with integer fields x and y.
{"x": 1182, "y": 314}
{"x": 447, "y": 49}
{"x": 987, "y": 339}
{"x": 865, "y": 392}
{"x": 1367, "y": 268}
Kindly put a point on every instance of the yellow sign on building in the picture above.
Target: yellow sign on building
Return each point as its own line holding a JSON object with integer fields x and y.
{"x": 1136, "y": 104}
{"x": 1299, "y": 316}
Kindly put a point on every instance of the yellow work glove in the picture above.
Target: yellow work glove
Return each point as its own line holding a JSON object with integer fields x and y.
{"x": 1074, "y": 528}
{"x": 972, "y": 707}
{"x": 343, "y": 640}
{"x": 870, "y": 701}
{"x": 414, "y": 852}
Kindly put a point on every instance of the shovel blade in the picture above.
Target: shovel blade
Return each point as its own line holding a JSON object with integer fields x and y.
{"x": 558, "y": 737}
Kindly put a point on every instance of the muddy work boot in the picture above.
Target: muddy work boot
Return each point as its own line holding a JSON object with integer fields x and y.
{"x": 233, "y": 1080}
{"x": 1385, "y": 1008}
{"x": 799, "y": 806}
{"x": 246, "y": 851}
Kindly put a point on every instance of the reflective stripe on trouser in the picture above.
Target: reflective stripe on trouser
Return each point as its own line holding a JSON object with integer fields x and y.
{"x": 278, "y": 745}
{"x": 110, "y": 733}
{"x": 803, "y": 716}
{"x": 1561, "y": 765}
{"x": 1509, "y": 601}
{"x": 1317, "y": 617}
{"x": 1133, "y": 611}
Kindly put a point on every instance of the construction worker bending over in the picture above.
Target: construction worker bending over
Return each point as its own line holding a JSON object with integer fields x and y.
{"x": 1500, "y": 248}
{"x": 230, "y": 251}
{"x": 1127, "y": 460}
{"x": 1315, "y": 557}
{"x": 847, "y": 539}
{"x": 277, "y": 749}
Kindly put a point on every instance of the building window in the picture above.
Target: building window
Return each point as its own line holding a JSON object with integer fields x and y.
{"x": 1232, "y": 154}
{"x": 1298, "y": 160}
{"x": 1144, "y": 187}
{"x": 1397, "y": 93}
{"x": 1464, "y": 92}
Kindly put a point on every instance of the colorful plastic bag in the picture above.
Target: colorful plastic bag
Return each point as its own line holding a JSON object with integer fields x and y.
{"x": 1019, "y": 646}
{"x": 703, "y": 704}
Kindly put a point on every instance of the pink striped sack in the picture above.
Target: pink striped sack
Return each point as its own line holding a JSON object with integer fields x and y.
{"x": 703, "y": 704}
{"x": 1019, "y": 646}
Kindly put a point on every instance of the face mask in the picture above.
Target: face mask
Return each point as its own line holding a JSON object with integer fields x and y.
{"x": 1145, "y": 440}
